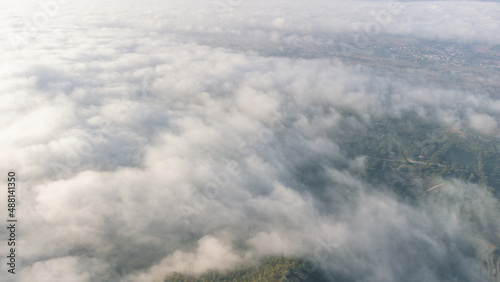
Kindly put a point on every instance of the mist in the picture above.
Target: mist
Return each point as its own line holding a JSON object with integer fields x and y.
{"x": 152, "y": 137}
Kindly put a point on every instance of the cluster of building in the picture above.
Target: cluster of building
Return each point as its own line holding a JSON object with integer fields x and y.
{"x": 451, "y": 55}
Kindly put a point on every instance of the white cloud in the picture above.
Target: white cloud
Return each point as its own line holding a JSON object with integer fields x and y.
{"x": 138, "y": 115}
{"x": 484, "y": 123}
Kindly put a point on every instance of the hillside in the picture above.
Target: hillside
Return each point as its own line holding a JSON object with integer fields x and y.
{"x": 272, "y": 269}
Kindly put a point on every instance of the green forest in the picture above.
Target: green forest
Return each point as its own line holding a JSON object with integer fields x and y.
{"x": 410, "y": 156}
{"x": 272, "y": 269}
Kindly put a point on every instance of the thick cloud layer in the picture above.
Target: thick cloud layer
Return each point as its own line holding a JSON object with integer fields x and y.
{"x": 157, "y": 137}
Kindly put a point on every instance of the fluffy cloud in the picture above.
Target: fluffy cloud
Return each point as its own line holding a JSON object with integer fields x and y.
{"x": 143, "y": 147}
